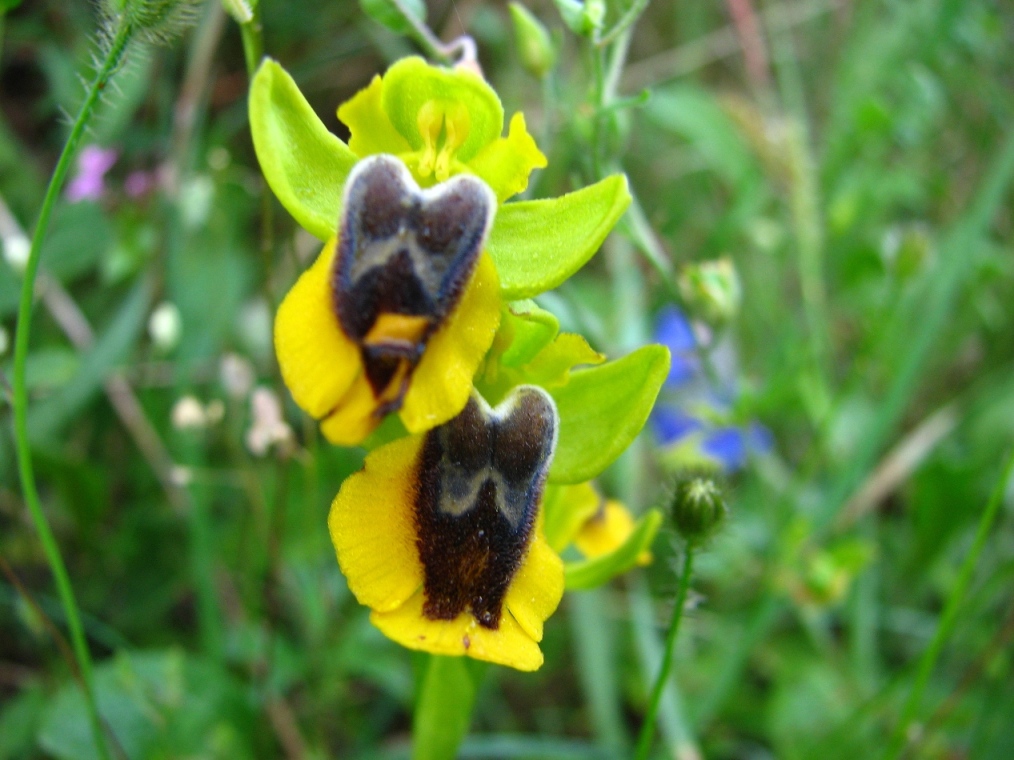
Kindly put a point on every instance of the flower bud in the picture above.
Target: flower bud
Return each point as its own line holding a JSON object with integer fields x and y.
{"x": 534, "y": 46}
{"x": 188, "y": 414}
{"x": 164, "y": 326}
{"x": 698, "y": 508}
{"x": 583, "y": 18}
{"x": 712, "y": 290}
{"x": 16, "y": 251}
{"x": 237, "y": 376}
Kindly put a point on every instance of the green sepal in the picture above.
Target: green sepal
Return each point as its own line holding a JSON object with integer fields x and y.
{"x": 550, "y": 367}
{"x": 304, "y": 164}
{"x": 411, "y": 83}
{"x": 602, "y": 410}
{"x": 529, "y": 329}
{"x": 590, "y": 573}
{"x": 565, "y": 510}
{"x": 536, "y": 245}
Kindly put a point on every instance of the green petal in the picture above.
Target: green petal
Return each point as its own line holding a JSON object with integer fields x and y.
{"x": 371, "y": 131}
{"x": 536, "y": 245}
{"x": 529, "y": 329}
{"x": 411, "y": 83}
{"x": 506, "y": 163}
{"x": 304, "y": 164}
{"x": 594, "y": 572}
{"x": 602, "y": 410}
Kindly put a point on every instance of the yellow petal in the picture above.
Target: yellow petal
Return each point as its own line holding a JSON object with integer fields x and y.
{"x": 354, "y": 416}
{"x": 317, "y": 360}
{"x": 372, "y": 524}
{"x": 370, "y": 128}
{"x": 507, "y": 645}
{"x": 607, "y": 531}
{"x": 442, "y": 381}
{"x": 536, "y": 590}
{"x": 506, "y": 163}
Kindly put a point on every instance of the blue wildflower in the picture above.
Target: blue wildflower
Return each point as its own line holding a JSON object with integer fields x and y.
{"x": 689, "y": 420}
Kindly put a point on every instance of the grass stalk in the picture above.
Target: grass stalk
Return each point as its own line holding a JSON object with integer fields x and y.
{"x": 54, "y": 559}
{"x": 949, "y": 618}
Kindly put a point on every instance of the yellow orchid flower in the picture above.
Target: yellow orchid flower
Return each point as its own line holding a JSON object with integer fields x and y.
{"x": 441, "y": 535}
{"x": 398, "y": 311}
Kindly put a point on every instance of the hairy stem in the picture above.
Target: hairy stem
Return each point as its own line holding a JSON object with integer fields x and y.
{"x": 648, "y": 727}
{"x": 109, "y": 65}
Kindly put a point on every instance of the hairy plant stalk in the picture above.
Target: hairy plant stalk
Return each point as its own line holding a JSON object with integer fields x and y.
{"x": 648, "y": 727}
{"x": 113, "y": 57}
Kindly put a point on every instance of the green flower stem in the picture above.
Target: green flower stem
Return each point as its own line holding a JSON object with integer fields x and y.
{"x": 443, "y": 711}
{"x": 648, "y": 727}
{"x": 20, "y": 391}
{"x": 896, "y": 747}
{"x": 625, "y": 21}
{"x": 252, "y": 33}
{"x": 443, "y": 52}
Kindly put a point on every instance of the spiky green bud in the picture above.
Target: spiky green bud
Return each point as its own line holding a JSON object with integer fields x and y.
{"x": 698, "y": 508}
{"x": 712, "y": 290}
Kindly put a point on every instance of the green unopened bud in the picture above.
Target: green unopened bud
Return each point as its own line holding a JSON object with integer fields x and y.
{"x": 583, "y": 18}
{"x": 698, "y": 508}
{"x": 711, "y": 290}
{"x": 535, "y": 48}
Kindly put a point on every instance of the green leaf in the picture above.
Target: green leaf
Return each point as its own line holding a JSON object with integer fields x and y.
{"x": 530, "y": 328}
{"x": 698, "y": 116}
{"x": 602, "y": 410}
{"x": 444, "y": 710}
{"x": 160, "y": 703}
{"x": 594, "y": 572}
{"x": 536, "y": 245}
{"x": 388, "y": 14}
{"x": 304, "y": 164}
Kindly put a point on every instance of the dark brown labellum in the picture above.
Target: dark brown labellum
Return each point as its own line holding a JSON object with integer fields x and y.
{"x": 404, "y": 257}
{"x": 481, "y": 478}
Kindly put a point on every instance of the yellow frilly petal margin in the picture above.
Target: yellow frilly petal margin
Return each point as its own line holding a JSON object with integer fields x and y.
{"x": 443, "y": 380}
{"x": 323, "y": 368}
{"x": 318, "y": 361}
{"x": 372, "y": 525}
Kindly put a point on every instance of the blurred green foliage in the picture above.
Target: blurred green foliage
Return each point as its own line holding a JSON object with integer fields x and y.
{"x": 856, "y": 172}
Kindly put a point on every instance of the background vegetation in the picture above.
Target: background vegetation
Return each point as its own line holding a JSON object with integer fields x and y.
{"x": 852, "y": 158}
